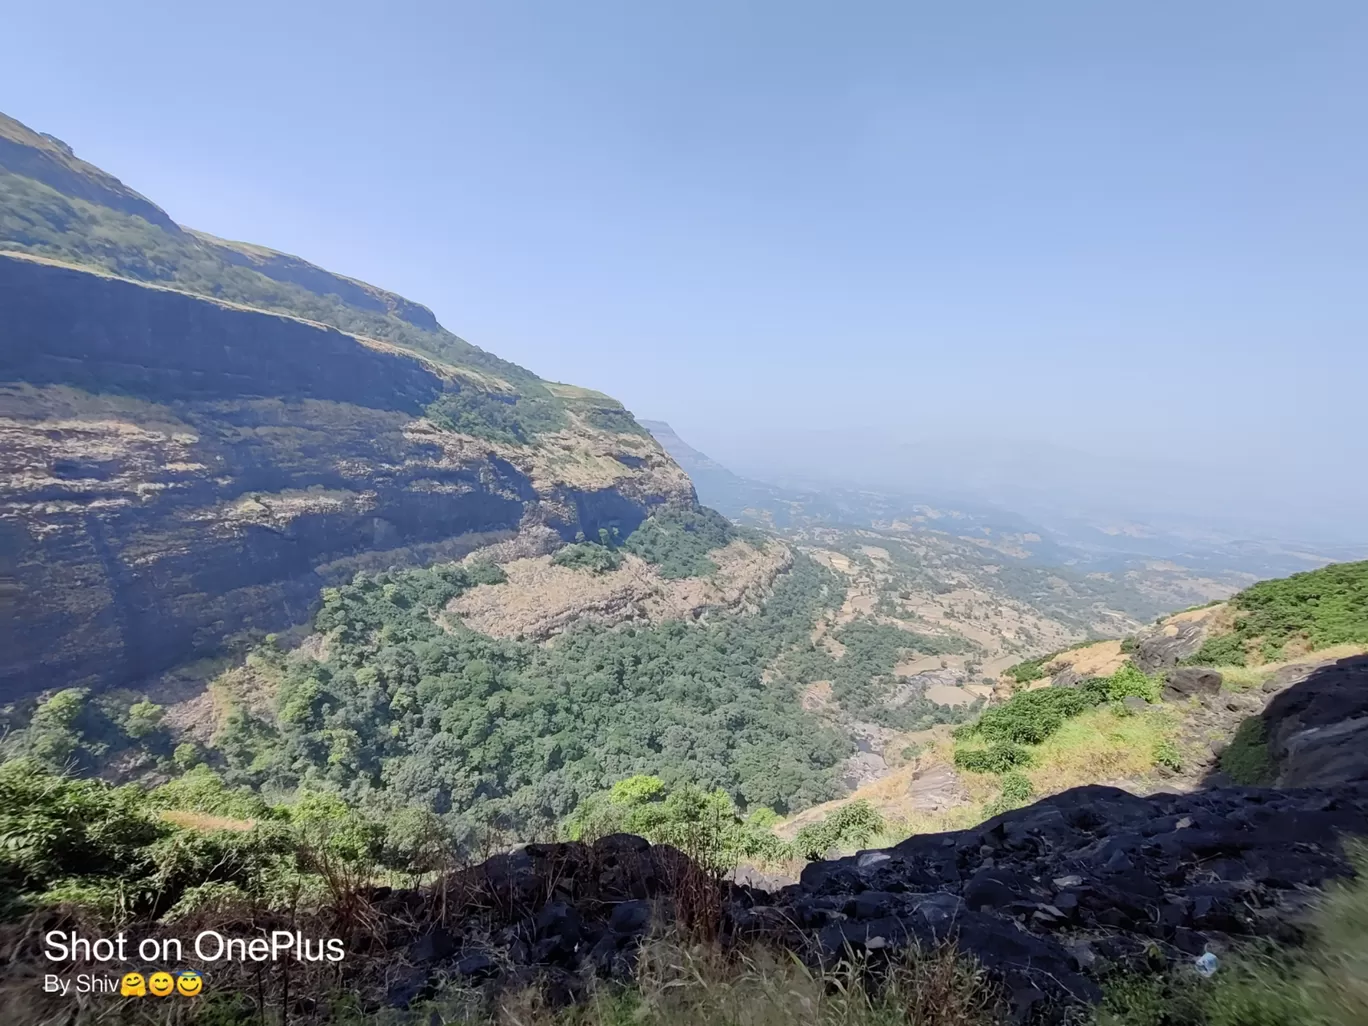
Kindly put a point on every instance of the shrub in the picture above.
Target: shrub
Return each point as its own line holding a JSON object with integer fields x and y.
{"x": 1128, "y": 681}
{"x": 1028, "y": 670}
{"x": 1032, "y": 716}
{"x": 1166, "y": 754}
{"x": 1223, "y": 650}
{"x": 1321, "y": 607}
{"x": 704, "y": 824}
{"x": 998, "y": 757}
{"x": 1016, "y": 792}
{"x": 850, "y": 826}
{"x": 499, "y": 417}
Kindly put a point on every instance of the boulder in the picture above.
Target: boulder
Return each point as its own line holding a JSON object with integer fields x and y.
{"x": 1318, "y": 729}
{"x": 1160, "y": 647}
{"x": 1191, "y": 682}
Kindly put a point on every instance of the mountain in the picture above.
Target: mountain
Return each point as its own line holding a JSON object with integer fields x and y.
{"x": 198, "y": 435}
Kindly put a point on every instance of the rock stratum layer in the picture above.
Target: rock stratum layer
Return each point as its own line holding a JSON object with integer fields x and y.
{"x": 175, "y": 470}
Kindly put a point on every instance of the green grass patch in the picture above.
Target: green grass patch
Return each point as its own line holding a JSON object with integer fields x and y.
{"x": 1246, "y": 760}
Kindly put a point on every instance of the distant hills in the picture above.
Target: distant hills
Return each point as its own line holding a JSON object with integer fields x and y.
{"x": 1084, "y": 543}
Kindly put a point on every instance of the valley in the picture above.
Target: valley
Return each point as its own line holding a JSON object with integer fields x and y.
{"x": 314, "y": 614}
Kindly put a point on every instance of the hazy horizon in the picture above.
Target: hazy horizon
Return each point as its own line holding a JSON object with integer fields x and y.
{"x": 812, "y": 240}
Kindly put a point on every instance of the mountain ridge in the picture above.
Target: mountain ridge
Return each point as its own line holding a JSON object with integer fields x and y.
{"x": 54, "y": 204}
{"x": 200, "y": 434}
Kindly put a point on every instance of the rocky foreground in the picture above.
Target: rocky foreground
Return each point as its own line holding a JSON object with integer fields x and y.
{"x": 1046, "y": 897}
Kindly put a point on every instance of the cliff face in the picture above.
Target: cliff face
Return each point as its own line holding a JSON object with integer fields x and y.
{"x": 174, "y": 470}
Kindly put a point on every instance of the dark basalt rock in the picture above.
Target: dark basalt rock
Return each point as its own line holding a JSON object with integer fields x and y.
{"x": 1043, "y": 896}
{"x": 1192, "y": 682}
{"x": 1318, "y": 729}
{"x": 1157, "y": 649}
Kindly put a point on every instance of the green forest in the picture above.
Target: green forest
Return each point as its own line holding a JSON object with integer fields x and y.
{"x": 405, "y": 710}
{"x": 403, "y": 707}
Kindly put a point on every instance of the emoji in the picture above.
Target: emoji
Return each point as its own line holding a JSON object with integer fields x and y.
{"x": 132, "y": 986}
{"x": 160, "y": 983}
{"x": 189, "y": 983}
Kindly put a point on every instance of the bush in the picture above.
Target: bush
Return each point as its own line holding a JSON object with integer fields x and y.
{"x": 497, "y": 416}
{"x": 853, "y": 825}
{"x": 1166, "y": 754}
{"x": 611, "y": 418}
{"x": 1223, "y": 650}
{"x": 998, "y": 757}
{"x": 1321, "y": 607}
{"x": 1030, "y": 717}
{"x": 1029, "y": 670}
{"x": 1016, "y": 792}
{"x": 704, "y": 824}
{"x": 1128, "y": 681}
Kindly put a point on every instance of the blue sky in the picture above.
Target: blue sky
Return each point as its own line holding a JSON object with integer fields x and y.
{"x": 1135, "y": 230}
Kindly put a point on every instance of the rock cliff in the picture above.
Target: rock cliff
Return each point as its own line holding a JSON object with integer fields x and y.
{"x": 174, "y": 470}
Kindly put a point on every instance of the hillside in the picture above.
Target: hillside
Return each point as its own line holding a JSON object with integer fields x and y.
{"x": 199, "y": 435}
{"x": 1176, "y": 705}
{"x": 55, "y": 205}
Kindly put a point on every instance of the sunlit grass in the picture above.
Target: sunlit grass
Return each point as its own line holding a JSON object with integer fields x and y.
{"x": 1097, "y": 746}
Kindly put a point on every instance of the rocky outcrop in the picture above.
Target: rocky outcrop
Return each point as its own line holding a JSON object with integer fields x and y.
{"x": 1318, "y": 729}
{"x": 1167, "y": 645}
{"x": 1044, "y": 897}
{"x": 1186, "y": 682}
{"x": 174, "y": 471}
{"x": 540, "y": 599}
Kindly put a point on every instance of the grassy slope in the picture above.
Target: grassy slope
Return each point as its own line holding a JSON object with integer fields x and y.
{"x": 56, "y": 206}
{"x": 1288, "y": 617}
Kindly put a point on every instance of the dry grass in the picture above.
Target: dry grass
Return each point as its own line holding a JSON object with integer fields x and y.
{"x": 1244, "y": 678}
{"x": 540, "y": 599}
{"x": 700, "y": 985}
{"x": 205, "y": 823}
{"x": 1099, "y": 660}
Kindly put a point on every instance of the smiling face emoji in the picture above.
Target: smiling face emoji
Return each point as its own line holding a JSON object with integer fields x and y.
{"x": 132, "y": 986}
{"x": 189, "y": 983}
{"x": 160, "y": 984}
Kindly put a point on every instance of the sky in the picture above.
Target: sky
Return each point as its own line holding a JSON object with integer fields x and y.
{"x": 1123, "y": 233}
